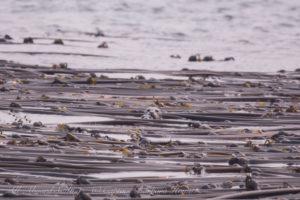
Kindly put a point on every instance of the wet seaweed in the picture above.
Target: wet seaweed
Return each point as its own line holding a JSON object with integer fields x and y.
{"x": 62, "y": 127}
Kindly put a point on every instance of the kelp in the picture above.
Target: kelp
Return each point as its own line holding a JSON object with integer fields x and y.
{"x": 57, "y": 126}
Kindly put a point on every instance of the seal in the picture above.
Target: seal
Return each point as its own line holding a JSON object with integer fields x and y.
{"x": 250, "y": 183}
{"x": 134, "y": 193}
{"x": 82, "y": 196}
{"x": 152, "y": 113}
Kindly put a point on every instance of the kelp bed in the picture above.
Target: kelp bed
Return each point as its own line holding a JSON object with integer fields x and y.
{"x": 66, "y": 130}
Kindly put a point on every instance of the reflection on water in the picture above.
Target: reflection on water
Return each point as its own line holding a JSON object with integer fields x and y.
{"x": 145, "y": 75}
{"x": 7, "y": 117}
{"x": 158, "y": 174}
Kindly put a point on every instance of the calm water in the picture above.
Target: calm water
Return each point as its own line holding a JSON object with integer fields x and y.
{"x": 261, "y": 35}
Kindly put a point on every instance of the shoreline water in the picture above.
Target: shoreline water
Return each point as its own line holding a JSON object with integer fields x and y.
{"x": 262, "y": 36}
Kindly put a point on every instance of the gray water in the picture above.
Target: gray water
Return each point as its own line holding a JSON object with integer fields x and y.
{"x": 261, "y": 35}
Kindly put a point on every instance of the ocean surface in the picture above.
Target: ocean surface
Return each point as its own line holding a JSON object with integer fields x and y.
{"x": 260, "y": 35}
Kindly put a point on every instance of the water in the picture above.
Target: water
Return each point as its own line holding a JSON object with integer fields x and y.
{"x": 158, "y": 174}
{"x": 261, "y": 35}
{"x": 6, "y": 117}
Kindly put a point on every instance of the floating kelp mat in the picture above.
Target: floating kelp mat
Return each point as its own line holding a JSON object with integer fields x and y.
{"x": 64, "y": 131}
